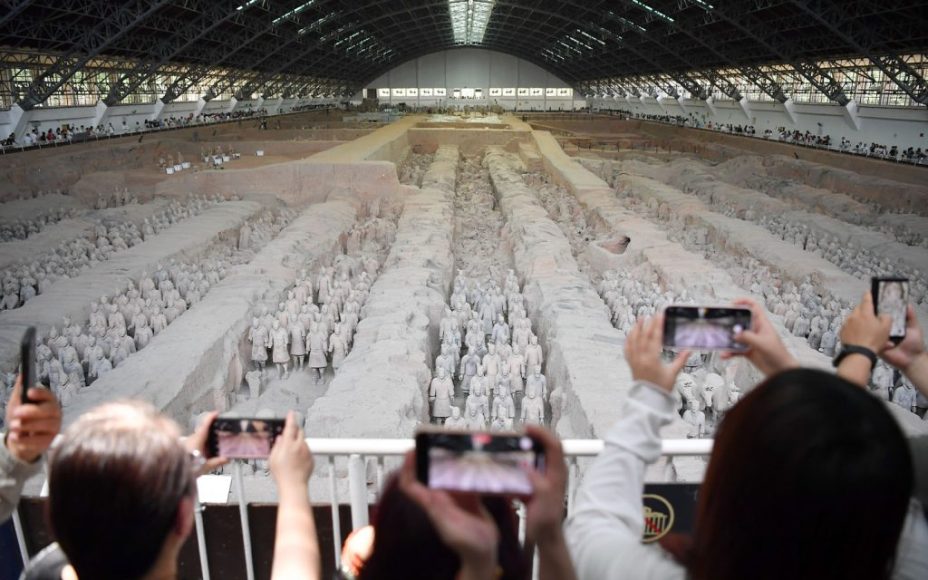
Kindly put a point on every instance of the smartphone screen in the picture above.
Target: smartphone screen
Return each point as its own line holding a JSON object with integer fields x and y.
{"x": 704, "y": 328}
{"x": 238, "y": 438}
{"x": 27, "y": 362}
{"x": 891, "y": 296}
{"x": 478, "y": 462}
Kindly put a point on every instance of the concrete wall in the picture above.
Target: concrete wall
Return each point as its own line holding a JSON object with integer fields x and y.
{"x": 902, "y": 126}
{"x": 474, "y": 68}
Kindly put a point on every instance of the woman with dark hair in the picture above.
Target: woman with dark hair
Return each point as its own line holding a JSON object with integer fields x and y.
{"x": 121, "y": 495}
{"x": 810, "y": 476}
{"x": 423, "y": 533}
{"x": 406, "y": 544}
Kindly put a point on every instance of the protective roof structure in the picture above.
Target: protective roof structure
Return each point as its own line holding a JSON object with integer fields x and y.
{"x": 350, "y": 42}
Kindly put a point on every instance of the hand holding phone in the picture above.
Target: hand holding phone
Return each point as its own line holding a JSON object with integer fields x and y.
{"x": 243, "y": 438}
{"x": 478, "y": 462}
{"x": 763, "y": 346}
{"x": 31, "y": 427}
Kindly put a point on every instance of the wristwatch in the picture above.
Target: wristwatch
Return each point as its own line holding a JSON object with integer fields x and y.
{"x": 849, "y": 349}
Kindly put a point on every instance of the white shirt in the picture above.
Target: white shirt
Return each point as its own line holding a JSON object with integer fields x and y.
{"x": 605, "y": 527}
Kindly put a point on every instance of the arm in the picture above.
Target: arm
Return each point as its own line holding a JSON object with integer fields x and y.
{"x": 545, "y": 510}
{"x": 605, "y": 527}
{"x": 863, "y": 328}
{"x": 909, "y": 356}
{"x": 13, "y": 475}
{"x": 296, "y": 550}
{"x": 31, "y": 430}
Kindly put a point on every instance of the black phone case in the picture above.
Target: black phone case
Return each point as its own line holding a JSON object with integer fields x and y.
{"x": 27, "y": 362}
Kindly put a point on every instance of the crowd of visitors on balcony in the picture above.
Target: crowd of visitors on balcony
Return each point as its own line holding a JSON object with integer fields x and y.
{"x": 66, "y": 133}
{"x": 810, "y": 476}
{"x": 915, "y": 156}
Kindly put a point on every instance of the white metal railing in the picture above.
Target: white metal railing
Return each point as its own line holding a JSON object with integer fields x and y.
{"x": 357, "y": 452}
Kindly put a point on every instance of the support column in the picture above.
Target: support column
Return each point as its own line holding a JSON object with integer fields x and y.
{"x": 201, "y": 104}
{"x": 100, "y": 114}
{"x": 710, "y": 103}
{"x": 851, "y": 116}
{"x": 660, "y": 103}
{"x": 789, "y": 108}
{"x": 19, "y": 120}
{"x": 156, "y": 110}
{"x": 233, "y": 102}
{"x": 746, "y": 109}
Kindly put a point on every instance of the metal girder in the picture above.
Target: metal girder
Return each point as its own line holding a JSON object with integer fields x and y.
{"x": 14, "y": 7}
{"x": 687, "y": 41}
{"x": 722, "y": 83}
{"x": 260, "y": 54}
{"x": 226, "y": 50}
{"x": 713, "y": 43}
{"x": 834, "y": 17}
{"x": 739, "y": 15}
{"x": 212, "y": 15}
{"x": 95, "y": 40}
{"x": 765, "y": 83}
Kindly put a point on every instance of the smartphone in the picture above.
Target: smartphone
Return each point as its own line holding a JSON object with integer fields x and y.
{"x": 478, "y": 462}
{"x": 27, "y": 363}
{"x": 240, "y": 438}
{"x": 891, "y": 296}
{"x": 705, "y": 328}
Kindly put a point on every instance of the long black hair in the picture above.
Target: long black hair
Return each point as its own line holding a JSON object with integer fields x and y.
{"x": 810, "y": 477}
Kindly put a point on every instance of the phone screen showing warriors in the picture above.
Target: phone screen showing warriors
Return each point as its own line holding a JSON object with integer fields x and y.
{"x": 701, "y": 328}
{"x": 245, "y": 438}
{"x": 893, "y": 299}
{"x": 481, "y": 463}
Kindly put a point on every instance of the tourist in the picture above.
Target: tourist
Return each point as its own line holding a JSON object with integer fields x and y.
{"x": 810, "y": 477}
{"x": 30, "y": 429}
{"x": 422, "y": 533}
{"x": 121, "y": 494}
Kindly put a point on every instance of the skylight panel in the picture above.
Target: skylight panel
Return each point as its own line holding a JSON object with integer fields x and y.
{"x": 469, "y": 19}
{"x": 319, "y": 23}
{"x": 247, "y": 5}
{"x": 293, "y": 12}
{"x": 625, "y": 21}
{"x": 591, "y": 37}
{"x": 653, "y": 11}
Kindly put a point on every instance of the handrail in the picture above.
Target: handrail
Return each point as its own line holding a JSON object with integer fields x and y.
{"x": 357, "y": 452}
{"x": 572, "y": 447}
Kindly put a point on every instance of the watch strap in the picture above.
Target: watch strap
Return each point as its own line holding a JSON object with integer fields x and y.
{"x": 849, "y": 349}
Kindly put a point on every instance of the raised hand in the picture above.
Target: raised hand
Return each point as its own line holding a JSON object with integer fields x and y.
{"x": 766, "y": 350}
{"x": 643, "y": 347}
